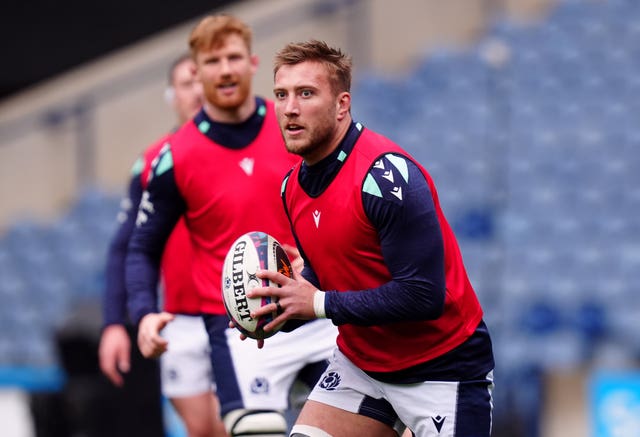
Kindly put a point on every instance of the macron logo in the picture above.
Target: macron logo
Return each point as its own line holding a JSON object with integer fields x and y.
{"x": 316, "y": 218}
{"x": 247, "y": 165}
{"x": 438, "y": 421}
{"x": 397, "y": 191}
{"x": 145, "y": 208}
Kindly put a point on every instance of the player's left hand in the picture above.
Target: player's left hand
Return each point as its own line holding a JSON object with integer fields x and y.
{"x": 295, "y": 298}
{"x": 297, "y": 263}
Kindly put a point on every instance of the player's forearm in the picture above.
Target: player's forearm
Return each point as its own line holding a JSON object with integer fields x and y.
{"x": 141, "y": 273}
{"x": 115, "y": 296}
{"x": 114, "y": 308}
{"x": 390, "y": 303}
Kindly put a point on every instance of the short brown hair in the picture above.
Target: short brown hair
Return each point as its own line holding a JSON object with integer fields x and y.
{"x": 337, "y": 63}
{"x": 212, "y": 30}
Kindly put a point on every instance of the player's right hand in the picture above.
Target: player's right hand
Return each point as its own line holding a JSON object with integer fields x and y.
{"x": 114, "y": 353}
{"x": 150, "y": 343}
{"x": 294, "y": 298}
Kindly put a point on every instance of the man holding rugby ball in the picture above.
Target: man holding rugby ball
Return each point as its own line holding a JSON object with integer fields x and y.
{"x": 381, "y": 262}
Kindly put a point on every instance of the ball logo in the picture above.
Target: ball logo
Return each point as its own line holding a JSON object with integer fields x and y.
{"x": 260, "y": 385}
{"x": 330, "y": 381}
{"x": 237, "y": 279}
{"x": 253, "y": 278}
{"x": 285, "y": 270}
{"x": 282, "y": 266}
{"x": 250, "y": 253}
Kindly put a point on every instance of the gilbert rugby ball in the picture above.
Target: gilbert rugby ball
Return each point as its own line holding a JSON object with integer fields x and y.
{"x": 250, "y": 252}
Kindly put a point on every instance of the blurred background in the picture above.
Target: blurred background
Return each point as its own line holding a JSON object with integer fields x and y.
{"x": 525, "y": 112}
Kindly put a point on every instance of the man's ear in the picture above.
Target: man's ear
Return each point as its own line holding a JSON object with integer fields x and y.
{"x": 344, "y": 104}
{"x": 169, "y": 95}
{"x": 255, "y": 62}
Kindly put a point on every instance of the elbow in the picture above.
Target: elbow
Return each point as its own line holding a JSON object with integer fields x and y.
{"x": 434, "y": 304}
{"x": 427, "y": 301}
{"x": 437, "y": 307}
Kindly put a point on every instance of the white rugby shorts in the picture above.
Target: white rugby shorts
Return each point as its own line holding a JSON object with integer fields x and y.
{"x": 265, "y": 376}
{"x": 185, "y": 367}
{"x": 429, "y": 408}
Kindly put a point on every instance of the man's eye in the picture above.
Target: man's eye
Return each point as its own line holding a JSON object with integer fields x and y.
{"x": 306, "y": 93}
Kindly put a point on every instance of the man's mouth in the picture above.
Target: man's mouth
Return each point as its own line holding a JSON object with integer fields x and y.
{"x": 227, "y": 86}
{"x": 293, "y": 128}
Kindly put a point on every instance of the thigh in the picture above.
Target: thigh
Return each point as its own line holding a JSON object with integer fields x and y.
{"x": 444, "y": 408}
{"x": 337, "y": 422}
{"x": 199, "y": 413}
{"x": 345, "y": 392}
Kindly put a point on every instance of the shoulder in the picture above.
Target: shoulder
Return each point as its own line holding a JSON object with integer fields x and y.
{"x": 153, "y": 149}
{"x": 163, "y": 160}
{"x": 187, "y": 133}
{"x": 174, "y": 147}
{"x": 144, "y": 159}
{"x": 390, "y": 175}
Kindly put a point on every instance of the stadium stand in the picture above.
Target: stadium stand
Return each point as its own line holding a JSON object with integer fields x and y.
{"x": 536, "y": 160}
{"x": 536, "y": 157}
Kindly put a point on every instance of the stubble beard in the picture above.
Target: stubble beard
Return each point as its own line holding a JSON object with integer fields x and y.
{"x": 311, "y": 146}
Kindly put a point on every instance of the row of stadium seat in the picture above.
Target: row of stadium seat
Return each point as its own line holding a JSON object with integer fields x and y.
{"x": 531, "y": 136}
{"x": 540, "y": 191}
{"x": 535, "y": 158}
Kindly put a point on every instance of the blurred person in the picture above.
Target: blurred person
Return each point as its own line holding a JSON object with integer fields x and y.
{"x": 381, "y": 263}
{"x": 185, "y": 368}
{"x": 222, "y": 173}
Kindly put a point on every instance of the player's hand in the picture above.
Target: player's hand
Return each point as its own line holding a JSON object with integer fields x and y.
{"x": 297, "y": 263}
{"x": 114, "y": 353}
{"x": 151, "y": 344}
{"x": 295, "y": 298}
{"x": 243, "y": 337}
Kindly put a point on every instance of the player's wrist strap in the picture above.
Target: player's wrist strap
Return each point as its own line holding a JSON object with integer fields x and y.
{"x": 318, "y": 304}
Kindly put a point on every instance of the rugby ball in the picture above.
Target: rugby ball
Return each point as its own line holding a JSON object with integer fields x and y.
{"x": 250, "y": 252}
